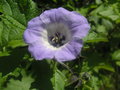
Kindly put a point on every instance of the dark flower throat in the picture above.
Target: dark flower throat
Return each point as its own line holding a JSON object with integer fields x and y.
{"x": 57, "y": 39}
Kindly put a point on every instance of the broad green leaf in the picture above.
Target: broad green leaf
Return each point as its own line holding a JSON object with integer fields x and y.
{"x": 5, "y": 53}
{"x": 32, "y": 11}
{"x": 16, "y": 43}
{"x": 12, "y": 24}
{"x": 108, "y": 24}
{"x": 118, "y": 63}
{"x": 116, "y": 55}
{"x": 1, "y": 30}
{"x": 29, "y": 8}
{"x": 12, "y": 21}
{"x": 1, "y": 81}
{"x": 98, "y": 1}
{"x": 23, "y": 84}
{"x": 11, "y": 8}
{"x": 11, "y": 30}
{"x": 97, "y": 10}
{"x": 94, "y": 18}
{"x": 58, "y": 80}
{"x": 105, "y": 67}
{"x": 109, "y": 13}
{"x": 3, "y": 78}
{"x": 94, "y": 37}
{"x": 102, "y": 30}
{"x": 55, "y": 0}
{"x": 1, "y": 6}
{"x": 94, "y": 83}
{"x": 6, "y": 8}
{"x": 83, "y": 11}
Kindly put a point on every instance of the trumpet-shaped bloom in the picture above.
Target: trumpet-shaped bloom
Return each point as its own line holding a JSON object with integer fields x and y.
{"x": 56, "y": 34}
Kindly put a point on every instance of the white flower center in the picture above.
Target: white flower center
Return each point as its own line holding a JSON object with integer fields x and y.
{"x": 56, "y": 35}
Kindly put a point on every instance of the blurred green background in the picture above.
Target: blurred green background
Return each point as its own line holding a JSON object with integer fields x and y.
{"x": 97, "y": 67}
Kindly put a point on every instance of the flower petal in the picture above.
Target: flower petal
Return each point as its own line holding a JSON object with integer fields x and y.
{"x": 35, "y": 24}
{"x": 31, "y": 36}
{"x": 48, "y": 16}
{"x": 40, "y": 52}
{"x": 70, "y": 51}
{"x": 80, "y": 31}
{"x": 54, "y": 15}
{"x": 63, "y": 15}
{"x": 78, "y": 19}
{"x": 71, "y": 18}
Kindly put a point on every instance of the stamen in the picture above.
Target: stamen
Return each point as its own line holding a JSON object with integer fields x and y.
{"x": 57, "y": 39}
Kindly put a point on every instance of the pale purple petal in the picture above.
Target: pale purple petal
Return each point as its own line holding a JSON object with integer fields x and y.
{"x": 81, "y": 18}
{"x": 63, "y": 15}
{"x": 31, "y": 36}
{"x": 70, "y": 51}
{"x": 35, "y": 24}
{"x": 71, "y": 18}
{"x": 77, "y": 20}
{"x": 33, "y": 31}
{"x": 40, "y": 52}
{"x": 80, "y": 31}
{"x": 48, "y": 16}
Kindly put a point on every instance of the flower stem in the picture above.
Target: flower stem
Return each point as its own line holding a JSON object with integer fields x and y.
{"x": 67, "y": 67}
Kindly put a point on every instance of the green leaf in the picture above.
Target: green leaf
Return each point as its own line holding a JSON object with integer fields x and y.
{"x": 109, "y": 13}
{"x": 97, "y": 10}
{"x": 105, "y": 67}
{"x": 12, "y": 24}
{"x": 0, "y": 6}
{"x": 116, "y": 55}
{"x": 11, "y": 8}
{"x": 83, "y": 11}
{"x": 1, "y": 81}
{"x": 6, "y": 8}
{"x": 1, "y": 30}
{"x": 102, "y": 30}
{"x": 16, "y": 43}
{"x": 32, "y": 11}
{"x": 94, "y": 37}
{"x": 94, "y": 83}
{"x": 29, "y": 8}
{"x": 3, "y": 78}
{"x": 118, "y": 63}
{"x": 108, "y": 24}
{"x": 98, "y": 1}
{"x": 5, "y": 53}
{"x": 24, "y": 84}
{"x": 58, "y": 80}
{"x": 12, "y": 21}
{"x": 11, "y": 30}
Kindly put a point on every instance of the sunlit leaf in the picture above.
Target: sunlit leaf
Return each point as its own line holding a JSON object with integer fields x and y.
{"x": 109, "y": 13}
{"x": 58, "y": 80}
{"x": 116, "y": 55}
{"x": 95, "y": 37}
{"x": 118, "y": 63}
{"x": 105, "y": 67}
{"x": 98, "y": 1}
{"x": 16, "y": 43}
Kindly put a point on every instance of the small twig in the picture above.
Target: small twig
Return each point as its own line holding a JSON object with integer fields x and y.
{"x": 67, "y": 67}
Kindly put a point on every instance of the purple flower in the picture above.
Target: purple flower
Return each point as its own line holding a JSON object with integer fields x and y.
{"x": 56, "y": 34}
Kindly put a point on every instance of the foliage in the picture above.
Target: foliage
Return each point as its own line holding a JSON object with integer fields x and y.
{"x": 98, "y": 67}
